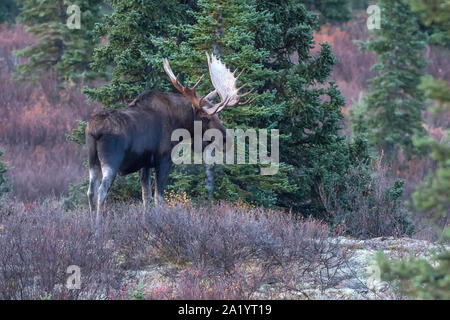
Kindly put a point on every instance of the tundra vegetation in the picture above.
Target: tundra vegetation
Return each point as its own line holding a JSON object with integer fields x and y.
{"x": 363, "y": 148}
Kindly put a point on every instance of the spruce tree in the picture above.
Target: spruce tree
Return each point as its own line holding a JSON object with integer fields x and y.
{"x": 394, "y": 102}
{"x": 420, "y": 278}
{"x": 435, "y": 17}
{"x": 311, "y": 116}
{"x": 333, "y": 10}
{"x": 263, "y": 37}
{"x": 230, "y": 29}
{"x": 135, "y": 31}
{"x": 8, "y": 11}
{"x": 58, "y": 48}
{"x": 433, "y": 195}
{"x": 359, "y": 4}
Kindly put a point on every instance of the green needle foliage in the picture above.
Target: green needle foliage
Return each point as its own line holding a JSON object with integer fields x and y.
{"x": 132, "y": 53}
{"x": 65, "y": 51}
{"x": 394, "y": 102}
{"x": 235, "y": 31}
{"x": 333, "y": 10}
{"x": 8, "y": 11}
{"x": 435, "y": 16}
{"x": 434, "y": 194}
{"x": 419, "y": 278}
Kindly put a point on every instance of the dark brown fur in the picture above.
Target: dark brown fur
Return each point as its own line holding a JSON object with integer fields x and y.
{"x": 139, "y": 138}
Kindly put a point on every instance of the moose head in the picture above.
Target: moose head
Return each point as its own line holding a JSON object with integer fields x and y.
{"x": 224, "y": 82}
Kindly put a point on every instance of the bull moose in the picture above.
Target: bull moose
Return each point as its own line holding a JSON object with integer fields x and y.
{"x": 138, "y": 137}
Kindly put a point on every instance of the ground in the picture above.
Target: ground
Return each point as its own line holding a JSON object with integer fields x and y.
{"x": 360, "y": 277}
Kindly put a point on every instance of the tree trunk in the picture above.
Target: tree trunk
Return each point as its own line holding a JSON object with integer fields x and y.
{"x": 209, "y": 169}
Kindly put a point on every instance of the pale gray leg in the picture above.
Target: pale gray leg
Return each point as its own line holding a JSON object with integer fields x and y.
{"x": 146, "y": 185}
{"x": 94, "y": 181}
{"x": 108, "y": 177}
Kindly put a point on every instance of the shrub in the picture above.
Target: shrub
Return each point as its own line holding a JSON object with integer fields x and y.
{"x": 244, "y": 246}
{"x": 39, "y": 244}
{"x": 372, "y": 206}
{"x": 419, "y": 278}
{"x": 212, "y": 252}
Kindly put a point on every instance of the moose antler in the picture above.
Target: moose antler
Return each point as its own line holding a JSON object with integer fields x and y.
{"x": 225, "y": 83}
{"x": 191, "y": 94}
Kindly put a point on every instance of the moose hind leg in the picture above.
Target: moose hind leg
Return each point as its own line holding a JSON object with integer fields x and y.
{"x": 146, "y": 180}
{"x": 108, "y": 178}
{"x": 94, "y": 181}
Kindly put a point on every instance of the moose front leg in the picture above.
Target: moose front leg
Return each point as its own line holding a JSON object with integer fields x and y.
{"x": 162, "y": 170}
{"x": 146, "y": 186}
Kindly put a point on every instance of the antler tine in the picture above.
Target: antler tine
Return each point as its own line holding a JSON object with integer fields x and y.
{"x": 241, "y": 87}
{"x": 216, "y": 108}
{"x": 240, "y": 73}
{"x": 198, "y": 82}
{"x": 225, "y": 82}
{"x": 248, "y": 101}
{"x": 247, "y": 93}
{"x": 189, "y": 93}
